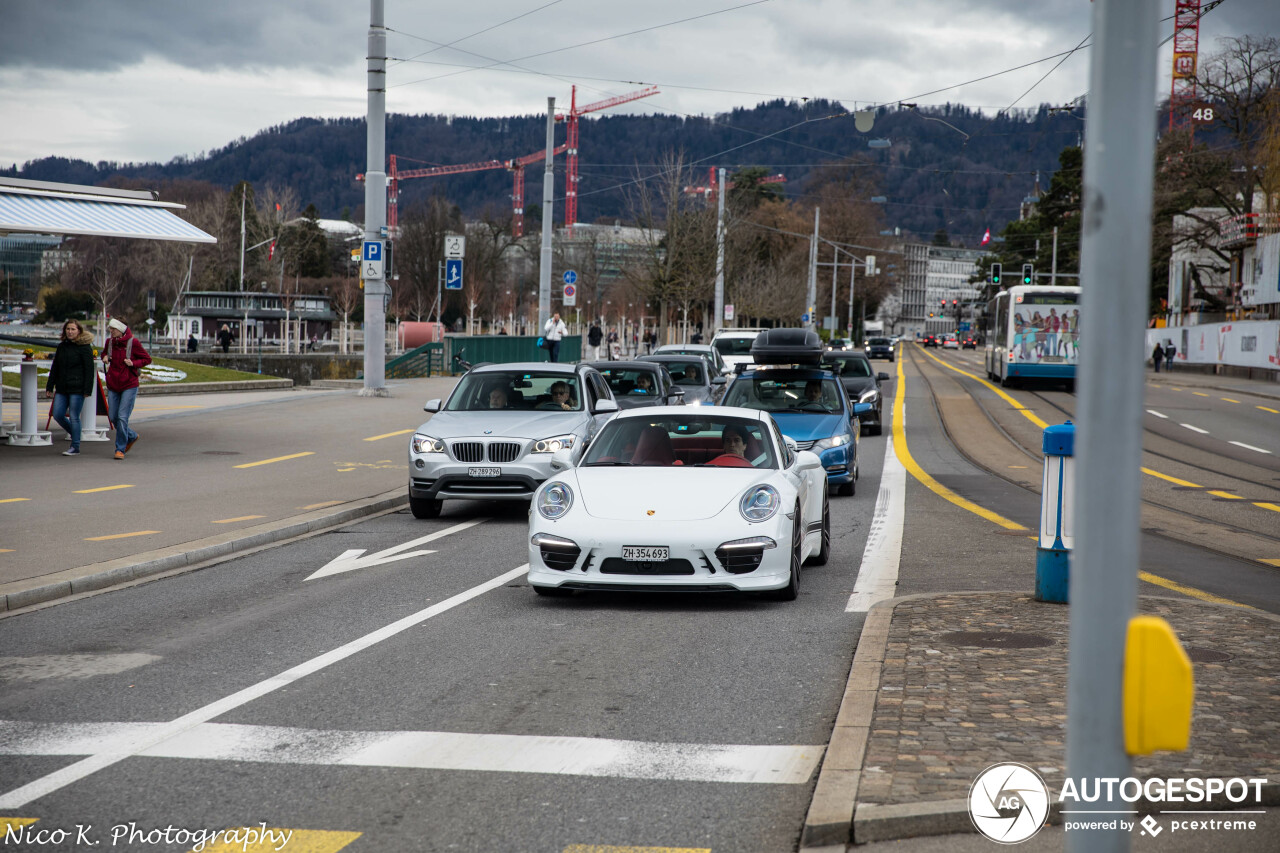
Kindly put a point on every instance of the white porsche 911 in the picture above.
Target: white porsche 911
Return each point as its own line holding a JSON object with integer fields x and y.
{"x": 681, "y": 499}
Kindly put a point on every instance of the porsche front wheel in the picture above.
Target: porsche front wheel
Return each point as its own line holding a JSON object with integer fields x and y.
{"x": 792, "y": 589}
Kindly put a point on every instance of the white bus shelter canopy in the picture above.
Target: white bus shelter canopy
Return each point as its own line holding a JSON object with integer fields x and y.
{"x": 39, "y": 207}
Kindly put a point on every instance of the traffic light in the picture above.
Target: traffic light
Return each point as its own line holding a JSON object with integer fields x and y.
{"x": 1028, "y": 273}
{"x": 995, "y": 273}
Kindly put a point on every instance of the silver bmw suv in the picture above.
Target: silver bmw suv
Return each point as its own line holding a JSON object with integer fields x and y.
{"x": 493, "y": 438}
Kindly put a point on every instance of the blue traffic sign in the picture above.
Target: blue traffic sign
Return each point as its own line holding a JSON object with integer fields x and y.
{"x": 453, "y": 274}
{"x": 804, "y": 318}
{"x": 372, "y": 250}
{"x": 570, "y": 277}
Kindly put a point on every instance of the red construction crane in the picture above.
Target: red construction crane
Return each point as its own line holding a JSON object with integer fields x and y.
{"x": 1186, "y": 50}
{"x": 709, "y": 192}
{"x": 571, "y": 175}
{"x": 395, "y": 176}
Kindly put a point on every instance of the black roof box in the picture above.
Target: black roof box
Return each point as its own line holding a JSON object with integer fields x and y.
{"x": 787, "y": 346}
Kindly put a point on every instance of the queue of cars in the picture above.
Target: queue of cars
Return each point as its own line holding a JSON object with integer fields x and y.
{"x": 703, "y": 482}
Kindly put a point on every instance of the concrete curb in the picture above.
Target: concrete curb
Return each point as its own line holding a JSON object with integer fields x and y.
{"x": 191, "y": 555}
{"x": 274, "y": 384}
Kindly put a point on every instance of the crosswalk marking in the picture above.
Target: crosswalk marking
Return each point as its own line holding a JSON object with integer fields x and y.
{"x": 418, "y": 750}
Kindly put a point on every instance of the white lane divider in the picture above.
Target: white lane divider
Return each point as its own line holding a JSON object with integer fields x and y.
{"x": 1157, "y": 414}
{"x": 419, "y": 750}
{"x": 144, "y": 739}
{"x": 878, "y": 574}
{"x": 1194, "y": 429}
{"x": 1248, "y": 447}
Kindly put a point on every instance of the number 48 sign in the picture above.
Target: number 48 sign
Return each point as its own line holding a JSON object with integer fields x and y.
{"x": 1202, "y": 113}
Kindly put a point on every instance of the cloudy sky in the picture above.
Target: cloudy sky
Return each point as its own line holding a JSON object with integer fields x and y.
{"x": 150, "y": 80}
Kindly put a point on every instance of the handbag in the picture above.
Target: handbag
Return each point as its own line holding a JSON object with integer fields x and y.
{"x": 543, "y": 343}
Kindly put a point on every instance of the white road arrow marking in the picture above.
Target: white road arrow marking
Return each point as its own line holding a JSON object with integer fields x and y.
{"x": 349, "y": 561}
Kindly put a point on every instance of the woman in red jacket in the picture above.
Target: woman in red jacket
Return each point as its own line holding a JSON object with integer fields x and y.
{"x": 124, "y": 358}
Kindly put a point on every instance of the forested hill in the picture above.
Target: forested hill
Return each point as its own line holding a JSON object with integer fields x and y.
{"x": 943, "y": 168}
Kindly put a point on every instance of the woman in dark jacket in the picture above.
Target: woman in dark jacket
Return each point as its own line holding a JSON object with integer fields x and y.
{"x": 71, "y": 379}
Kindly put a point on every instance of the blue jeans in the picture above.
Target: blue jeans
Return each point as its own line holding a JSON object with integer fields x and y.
{"x": 555, "y": 350}
{"x": 119, "y": 408}
{"x": 66, "y": 411}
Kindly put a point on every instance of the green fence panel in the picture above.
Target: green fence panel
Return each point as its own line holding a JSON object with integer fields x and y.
{"x": 506, "y": 349}
{"x": 426, "y": 360}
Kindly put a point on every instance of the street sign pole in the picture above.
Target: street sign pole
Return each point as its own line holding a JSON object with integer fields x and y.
{"x": 548, "y": 186}
{"x": 375, "y": 205}
{"x": 719, "y": 318}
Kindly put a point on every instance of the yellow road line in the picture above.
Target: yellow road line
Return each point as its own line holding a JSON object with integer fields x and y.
{"x": 1272, "y": 411}
{"x": 240, "y": 518}
{"x": 904, "y": 456}
{"x": 15, "y": 823}
{"x": 101, "y": 489}
{"x": 1271, "y": 562}
{"x": 1226, "y": 495}
{"x": 1228, "y": 399}
{"x": 13, "y": 500}
{"x": 276, "y": 459}
{"x": 1027, "y": 413}
{"x": 1200, "y": 393}
{"x": 6, "y": 550}
{"x": 120, "y": 535}
{"x": 1189, "y": 590}
{"x": 239, "y": 840}
{"x": 1173, "y": 480}
{"x": 321, "y": 504}
{"x": 388, "y": 435}
{"x": 1272, "y": 507}
{"x": 1171, "y": 388}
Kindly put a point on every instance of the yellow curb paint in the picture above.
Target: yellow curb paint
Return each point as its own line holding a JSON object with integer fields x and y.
{"x": 299, "y": 841}
{"x": 13, "y": 500}
{"x": 611, "y": 848}
{"x": 388, "y": 435}
{"x": 101, "y": 489}
{"x": 120, "y": 535}
{"x": 904, "y": 456}
{"x": 319, "y": 505}
{"x": 1027, "y": 413}
{"x": 1189, "y": 590}
{"x": 276, "y": 459}
{"x": 1227, "y": 495}
{"x": 1173, "y": 480}
{"x": 1228, "y": 399}
{"x": 1272, "y": 562}
{"x": 1272, "y": 411}
{"x": 1270, "y": 506}
{"x": 241, "y": 518}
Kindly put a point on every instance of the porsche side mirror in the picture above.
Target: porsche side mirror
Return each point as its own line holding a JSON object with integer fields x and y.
{"x": 432, "y": 406}
{"x": 604, "y": 406}
{"x": 807, "y": 460}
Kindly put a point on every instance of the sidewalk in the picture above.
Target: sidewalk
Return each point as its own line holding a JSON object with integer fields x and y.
{"x": 944, "y": 686}
{"x": 1187, "y": 377}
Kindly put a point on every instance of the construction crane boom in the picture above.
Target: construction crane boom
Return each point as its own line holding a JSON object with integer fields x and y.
{"x": 571, "y": 178}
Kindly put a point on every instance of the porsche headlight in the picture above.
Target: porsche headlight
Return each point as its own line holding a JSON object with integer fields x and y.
{"x": 868, "y": 396}
{"x": 426, "y": 444}
{"x": 833, "y": 441}
{"x": 554, "y": 500}
{"x": 551, "y": 445}
{"x": 760, "y": 503}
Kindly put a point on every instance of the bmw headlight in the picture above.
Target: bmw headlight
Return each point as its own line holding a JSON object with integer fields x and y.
{"x": 554, "y": 500}
{"x": 426, "y": 444}
{"x": 760, "y": 503}
{"x": 868, "y": 396}
{"x": 833, "y": 441}
{"x": 551, "y": 445}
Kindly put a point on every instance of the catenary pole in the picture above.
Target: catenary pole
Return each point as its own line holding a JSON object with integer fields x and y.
{"x": 548, "y": 187}
{"x": 853, "y": 266}
{"x": 718, "y": 321}
{"x": 1053, "y": 270}
{"x": 811, "y": 296}
{"x": 1114, "y": 277}
{"x": 244, "y": 192}
{"x": 835, "y": 269}
{"x": 375, "y": 205}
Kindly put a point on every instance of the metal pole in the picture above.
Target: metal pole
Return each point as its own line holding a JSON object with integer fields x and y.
{"x": 718, "y": 321}
{"x": 548, "y": 188}
{"x": 853, "y": 267}
{"x": 835, "y": 268}
{"x": 375, "y": 205}
{"x": 1053, "y": 270}
{"x": 243, "y": 192}
{"x": 1114, "y": 276}
{"x": 811, "y": 296}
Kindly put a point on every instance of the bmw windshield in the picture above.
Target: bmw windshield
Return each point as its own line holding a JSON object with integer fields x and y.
{"x": 516, "y": 390}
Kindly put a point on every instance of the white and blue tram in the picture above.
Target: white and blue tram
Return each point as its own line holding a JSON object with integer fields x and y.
{"x": 1033, "y": 332}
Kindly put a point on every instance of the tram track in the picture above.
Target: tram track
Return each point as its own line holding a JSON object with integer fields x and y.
{"x": 1160, "y": 518}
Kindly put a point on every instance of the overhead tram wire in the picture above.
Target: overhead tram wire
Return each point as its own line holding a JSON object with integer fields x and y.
{"x": 473, "y": 35}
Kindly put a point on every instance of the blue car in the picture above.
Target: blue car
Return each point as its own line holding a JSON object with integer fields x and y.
{"x": 808, "y": 402}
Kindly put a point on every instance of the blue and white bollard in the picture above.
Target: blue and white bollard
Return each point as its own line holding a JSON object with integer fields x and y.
{"x": 1057, "y": 522}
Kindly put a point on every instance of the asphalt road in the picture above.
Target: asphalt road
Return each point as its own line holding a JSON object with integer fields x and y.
{"x": 433, "y": 703}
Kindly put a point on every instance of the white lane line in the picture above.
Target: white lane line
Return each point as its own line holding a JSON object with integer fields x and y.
{"x": 1248, "y": 446}
{"x": 1195, "y": 429}
{"x": 146, "y": 739}
{"x": 565, "y": 756}
{"x": 1157, "y": 414}
{"x": 878, "y": 574}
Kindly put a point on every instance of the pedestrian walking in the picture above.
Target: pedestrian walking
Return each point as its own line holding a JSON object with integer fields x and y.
{"x": 71, "y": 378}
{"x": 555, "y": 331}
{"x": 124, "y": 358}
{"x": 1157, "y": 356}
{"x": 1169, "y": 352}
{"x": 594, "y": 335}
{"x": 193, "y": 345}
{"x": 224, "y": 337}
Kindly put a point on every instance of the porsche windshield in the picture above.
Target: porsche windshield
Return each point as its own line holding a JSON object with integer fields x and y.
{"x": 516, "y": 390}
{"x": 683, "y": 441}
{"x": 786, "y": 394}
